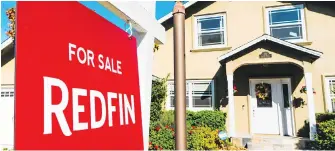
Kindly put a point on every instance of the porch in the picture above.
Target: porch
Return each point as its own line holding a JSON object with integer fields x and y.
{"x": 264, "y": 78}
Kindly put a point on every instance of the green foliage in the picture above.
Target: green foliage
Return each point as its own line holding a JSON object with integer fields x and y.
{"x": 158, "y": 96}
{"x": 215, "y": 120}
{"x": 203, "y": 138}
{"x": 202, "y": 128}
{"x": 161, "y": 137}
{"x": 325, "y": 138}
{"x": 322, "y": 117}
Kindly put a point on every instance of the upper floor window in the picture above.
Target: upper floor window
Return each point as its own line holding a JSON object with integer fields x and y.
{"x": 330, "y": 93}
{"x": 199, "y": 95}
{"x": 210, "y": 31}
{"x": 286, "y": 23}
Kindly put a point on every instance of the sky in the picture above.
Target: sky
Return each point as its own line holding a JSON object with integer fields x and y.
{"x": 162, "y": 8}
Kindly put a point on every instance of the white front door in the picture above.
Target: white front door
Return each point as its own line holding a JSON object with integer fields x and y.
{"x": 266, "y": 105}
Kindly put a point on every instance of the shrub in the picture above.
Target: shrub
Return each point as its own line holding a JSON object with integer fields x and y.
{"x": 158, "y": 95}
{"x": 203, "y": 138}
{"x": 322, "y": 117}
{"x": 325, "y": 138}
{"x": 215, "y": 120}
{"x": 198, "y": 138}
{"x": 202, "y": 128}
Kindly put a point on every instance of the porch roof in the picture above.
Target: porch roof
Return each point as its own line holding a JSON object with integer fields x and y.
{"x": 265, "y": 37}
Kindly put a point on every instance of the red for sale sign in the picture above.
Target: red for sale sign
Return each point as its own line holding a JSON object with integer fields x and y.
{"x": 77, "y": 84}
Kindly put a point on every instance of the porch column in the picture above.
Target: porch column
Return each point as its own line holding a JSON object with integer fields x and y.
{"x": 311, "y": 107}
{"x": 231, "y": 104}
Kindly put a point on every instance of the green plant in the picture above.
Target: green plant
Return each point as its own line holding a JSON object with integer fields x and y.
{"x": 325, "y": 138}
{"x": 158, "y": 95}
{"x": 215, "y": 120}
{"x": 322, "y": 117}
{"x": 203, "y": 138}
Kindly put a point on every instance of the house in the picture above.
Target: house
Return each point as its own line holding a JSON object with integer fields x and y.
{"x": 270, "y": 65}
{"x": 7, "y": 94}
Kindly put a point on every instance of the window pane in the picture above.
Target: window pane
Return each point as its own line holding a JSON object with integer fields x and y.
{"x": 286, "y": 96}
{"x": 211, "y": 23}
{"x": 213, "y": 38}
{"x": 332, "y": 93}
{"x": 202, "y": 101}
{"x": 287, "y": 32}
{"x": 285, "y": 16}
{"x": 172, "y": 101}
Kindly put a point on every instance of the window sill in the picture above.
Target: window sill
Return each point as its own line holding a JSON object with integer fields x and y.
{"x": 223, "y": 48}
{"x": 304, "y": 43}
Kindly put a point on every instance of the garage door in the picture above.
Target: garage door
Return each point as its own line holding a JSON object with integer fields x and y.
{"x": 7, "y": 118}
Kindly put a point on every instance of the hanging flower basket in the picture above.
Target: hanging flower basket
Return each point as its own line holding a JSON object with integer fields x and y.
{"x": 263, "y": 91}
{"x": 304, "y": 90}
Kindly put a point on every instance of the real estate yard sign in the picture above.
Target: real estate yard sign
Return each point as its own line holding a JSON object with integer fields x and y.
{"x": 77, "y": 81}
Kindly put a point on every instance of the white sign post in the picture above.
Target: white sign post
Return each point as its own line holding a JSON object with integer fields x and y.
{"x": 147, "y": 31}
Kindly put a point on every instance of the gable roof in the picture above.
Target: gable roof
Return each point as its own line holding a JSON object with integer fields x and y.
{"x": 266, "y": 37}
{"x": 169, "y": 15}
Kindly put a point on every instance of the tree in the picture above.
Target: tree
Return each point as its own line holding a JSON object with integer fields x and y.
{"x": 11, "y": 17}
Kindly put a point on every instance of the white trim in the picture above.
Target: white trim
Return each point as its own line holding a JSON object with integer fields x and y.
{"x": 231, "y": 105}
{"x": 142, "y": 20}
{"x": 6, "y": 43}
{"x": 169, "y": 15}
{"x": 196, "y": 29}
{"x": 303, "y": 24}
{"x": 270, "y": 38}
{"x": 189, "y": 99}
{"x": 310, "y": 103}
{"x": 280, "y": 114}
{"x": 329, "y": 105}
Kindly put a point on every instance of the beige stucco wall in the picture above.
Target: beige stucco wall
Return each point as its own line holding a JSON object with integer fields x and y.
{"x": 245, "y": 22}
{"x": 7, "y": 73}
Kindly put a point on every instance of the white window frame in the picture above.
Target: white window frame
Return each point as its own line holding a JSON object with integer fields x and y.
{"x": 189, "y": 99}
{"x": 10, "y": 90}
{"x": 327, "y": 93}
{"x": 196, "y": 29}
{"x": 303, "y": 24}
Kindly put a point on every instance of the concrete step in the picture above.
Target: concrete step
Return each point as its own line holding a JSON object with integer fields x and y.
{"x": 267, "y": 146}
{"x": 276, "y": 143}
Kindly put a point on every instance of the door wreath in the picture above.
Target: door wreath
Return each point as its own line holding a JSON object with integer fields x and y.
{"x": 263, "y": 91}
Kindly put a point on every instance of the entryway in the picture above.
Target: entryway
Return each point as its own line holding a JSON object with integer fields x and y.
{"x": 271, "y": 107}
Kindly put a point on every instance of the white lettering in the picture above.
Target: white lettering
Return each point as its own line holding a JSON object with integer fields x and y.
{"x": 101, "y": 65}
{"x": 71, "y": 52}
{"x": 108, "y": 66}
{"x": 76, "y": 92}
{"x": 113, "y": 67}
{"x": 57, "y": 109}
{"x": 80, "y": 49}
{"x": 119, "y": 67}
{"x": 97, "y": 124}
{"x": 111, "y": 108}
{"x": 128, "y": 109}
{"x": 121, "y": 109}
{"x": 90, "y": 58}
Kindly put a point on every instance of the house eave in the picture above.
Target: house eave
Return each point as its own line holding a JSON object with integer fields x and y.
{"x": 265, "y": 37}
